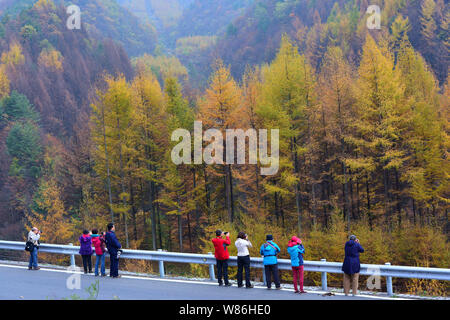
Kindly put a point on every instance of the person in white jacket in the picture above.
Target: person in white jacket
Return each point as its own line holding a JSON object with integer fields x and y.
{"x": 243, "y": 259}
{"x": 33, "y": 236}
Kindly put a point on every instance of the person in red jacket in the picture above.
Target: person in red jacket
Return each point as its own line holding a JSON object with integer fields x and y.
{"x": 98, "y": 240}
{"x": 222, "y": 256}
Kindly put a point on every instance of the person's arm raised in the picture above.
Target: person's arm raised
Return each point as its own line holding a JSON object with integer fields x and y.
{"x": 361, "y": 249}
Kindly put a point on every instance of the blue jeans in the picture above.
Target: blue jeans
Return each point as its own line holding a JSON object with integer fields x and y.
{"x": 100, "y": 258}
{"x": 33, "y": 258}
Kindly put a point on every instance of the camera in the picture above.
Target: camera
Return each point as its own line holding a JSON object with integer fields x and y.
{"x": 225, "y": 233}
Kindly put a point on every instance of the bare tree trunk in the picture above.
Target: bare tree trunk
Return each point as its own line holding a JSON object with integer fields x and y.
{"x": 346, "y": 202}
{"x": 153, "y": 214}
{"x": 122, "y": 178}
{"x": 208, "y": 195}
{"x": 180, "y": 232}
{"x": 387, "y": 210}
{"x": 189, "y": 232}
{"x": 229, "y": 192}
{"x": 108, "y": 174}
{"x": 369, "y": 212}
{"x": 399, "y": 208}
{"x": 133, "y": 210}
{"x": 297, "y": 187}
{"x": 197, "y": 210}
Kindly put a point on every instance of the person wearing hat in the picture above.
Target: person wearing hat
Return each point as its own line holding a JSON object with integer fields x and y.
{"x": 296, "y": 251}
{"x": 270, "y": 250}
{"x": 351, "y": 265}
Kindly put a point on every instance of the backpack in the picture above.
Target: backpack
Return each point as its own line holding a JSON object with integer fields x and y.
{"x": 102, "y": 243}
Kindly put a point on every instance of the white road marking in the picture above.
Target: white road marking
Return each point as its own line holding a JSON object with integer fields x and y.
{"x": 198, "y": 282}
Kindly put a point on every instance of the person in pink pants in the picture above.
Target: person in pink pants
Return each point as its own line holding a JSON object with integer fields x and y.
{"x": 296, "y": 251}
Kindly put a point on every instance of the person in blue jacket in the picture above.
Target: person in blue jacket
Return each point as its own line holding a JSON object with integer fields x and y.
{"x": 113, "y": 245}
{"x": 296, "y": 250}
{"x": 351, "y": 265}
{"x": 270, "y": 250}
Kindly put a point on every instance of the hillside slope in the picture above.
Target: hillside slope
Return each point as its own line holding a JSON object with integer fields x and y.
{"x": 255, "y": 36}
{"x": 102, "y": 19}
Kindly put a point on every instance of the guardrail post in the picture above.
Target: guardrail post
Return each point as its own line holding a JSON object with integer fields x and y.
{"x": 389, "y": 283}
{"x": 72, "y": 258}
{"x": 161, "y": 266}
{"x": 212, "y": 276}
{"x": 324, "y": 278}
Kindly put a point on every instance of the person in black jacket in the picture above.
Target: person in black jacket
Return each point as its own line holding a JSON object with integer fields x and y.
{"x": 113, "y": 245}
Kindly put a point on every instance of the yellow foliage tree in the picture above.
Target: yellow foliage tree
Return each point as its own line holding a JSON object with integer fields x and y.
{"x": 49, "y": 214}
{"x": 4, "y": 82}
{"x": 13, "y": 57}
{"x": 44, "y": 4}
{"x": 51, "y": 59}
{"x": 219, "y": 110}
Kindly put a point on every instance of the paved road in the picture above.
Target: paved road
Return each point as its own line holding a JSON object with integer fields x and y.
{"x": 17, "y": 282}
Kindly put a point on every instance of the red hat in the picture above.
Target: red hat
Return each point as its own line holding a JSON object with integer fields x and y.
{"x": 294, "y": 240}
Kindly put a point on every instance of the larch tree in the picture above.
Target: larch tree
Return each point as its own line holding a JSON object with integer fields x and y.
{"x": 148, "y": 136}
{"x": 115, "y": 105}
{"x": 337, "y": 104}
{"x": 425, "y": 170}
{"x": 248, "y": 175}
{"x": 428, "y": 26}
{"x": 381, "y": 117}
{"x": 286, "y": 104}
{"x": 4, "y": 82}
{"x": 218, "y": 109}
{"x": 175, "y": 197}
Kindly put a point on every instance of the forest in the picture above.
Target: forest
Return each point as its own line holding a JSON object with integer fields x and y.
{"x": 363, "y": 115}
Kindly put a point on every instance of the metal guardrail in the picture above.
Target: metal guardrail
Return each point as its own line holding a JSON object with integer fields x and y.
{"x": 322, "y": 266}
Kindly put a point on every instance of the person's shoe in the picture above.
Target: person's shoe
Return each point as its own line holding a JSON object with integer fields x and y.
{"x": 278, "y": 288}
{"x": 36, "y": 268}
{"x": 296, "y": 291}
{"x": 30, "y": 268}
{"x": 228, "y": 285}
{"x": 249, "y": 287}
{"x": 240, "y": 286}
{"x": 268, "y": 288}
{"x": 85, "y": 272}
{"x": 96, "y": 275}
{"x": 104, "y": 275}
{"x": 116, "y": 277}
{"x": 220, "y": 284}
{"x": 302, "y": 291}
